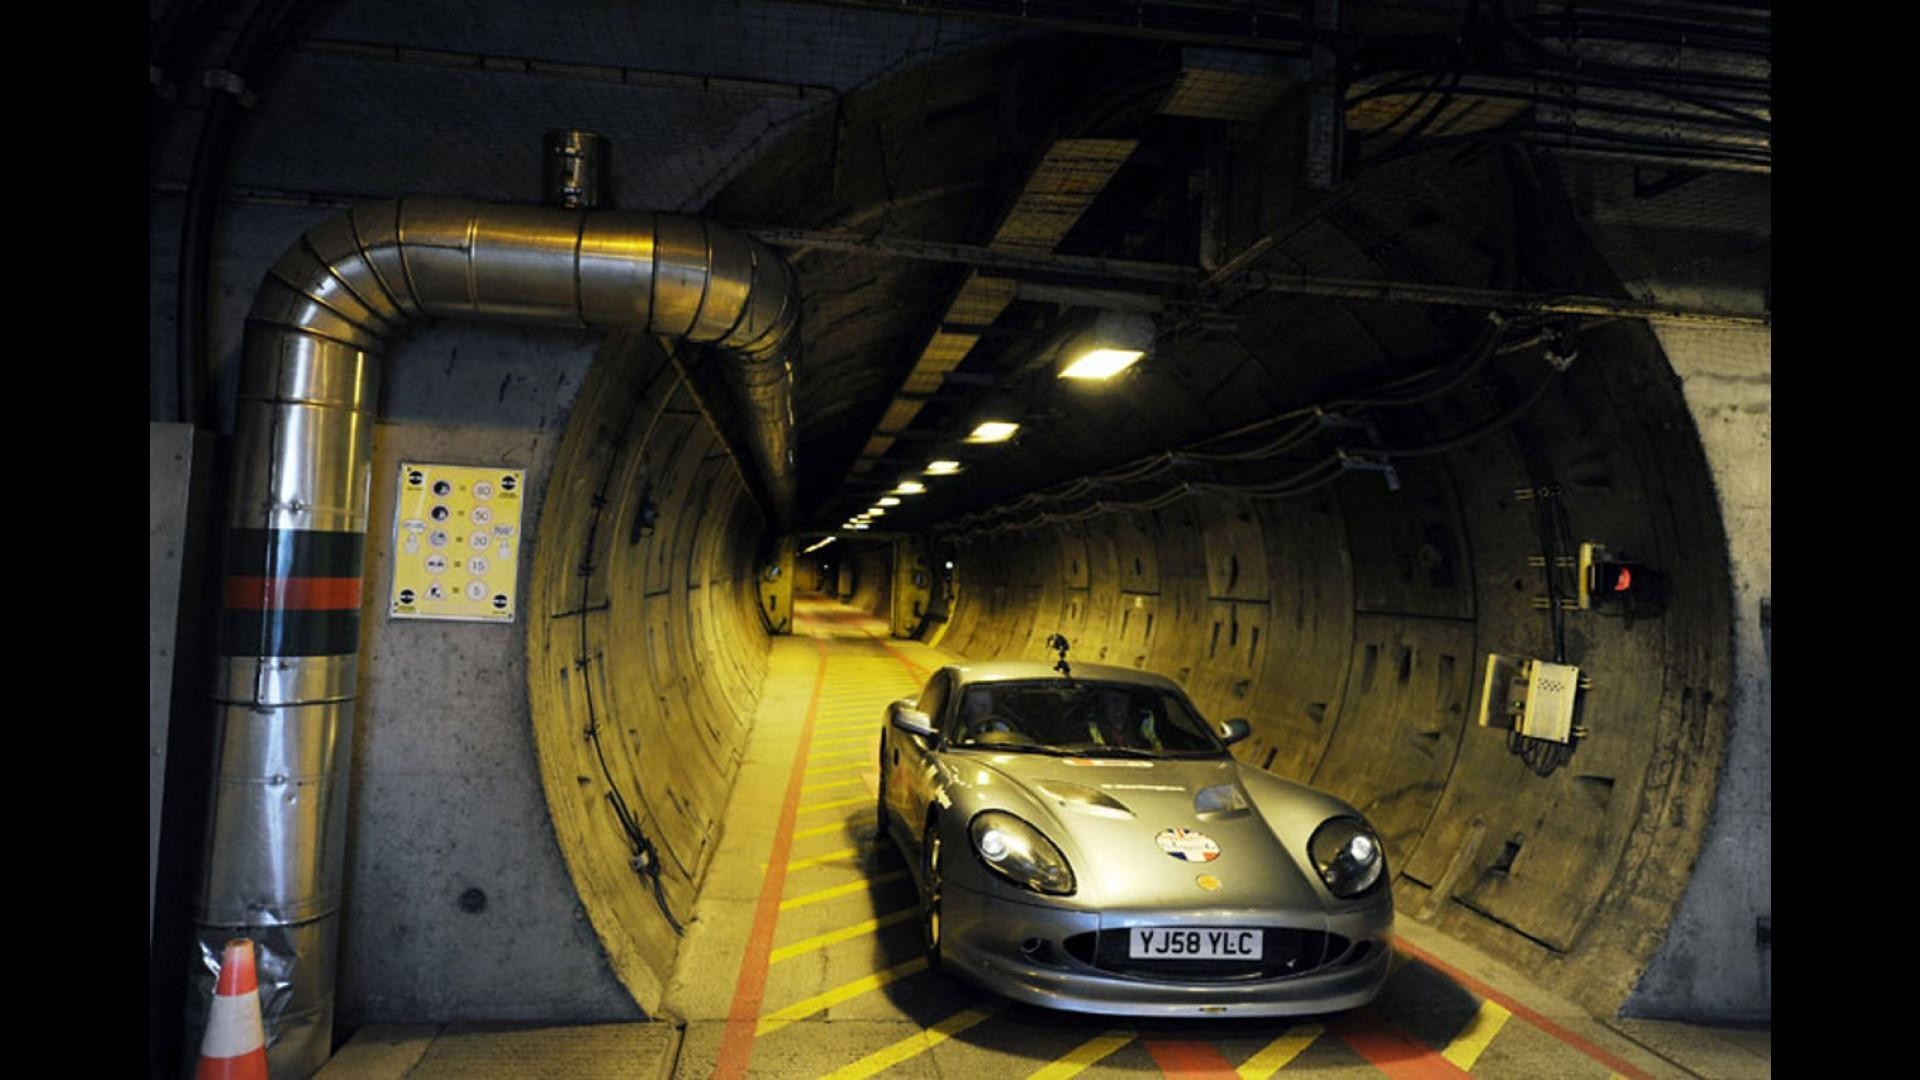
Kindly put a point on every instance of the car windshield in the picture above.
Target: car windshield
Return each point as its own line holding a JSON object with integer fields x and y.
{"x": 1093, "y": 719}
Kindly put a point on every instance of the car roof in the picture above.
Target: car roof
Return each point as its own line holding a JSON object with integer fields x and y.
{"x": 1008, "y": 670}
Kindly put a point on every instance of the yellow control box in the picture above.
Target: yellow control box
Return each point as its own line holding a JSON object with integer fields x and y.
{"x": 456, "y": 542}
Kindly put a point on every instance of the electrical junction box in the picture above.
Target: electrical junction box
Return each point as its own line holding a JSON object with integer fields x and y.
{"x": 1551, "y": 689}
{"x": 1532, "y": 697}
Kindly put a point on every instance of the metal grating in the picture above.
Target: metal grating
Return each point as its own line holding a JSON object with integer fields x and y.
{"x": 1221, "y": 84}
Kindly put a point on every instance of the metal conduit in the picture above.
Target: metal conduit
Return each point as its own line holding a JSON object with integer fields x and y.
{"x": 298, "y": 512}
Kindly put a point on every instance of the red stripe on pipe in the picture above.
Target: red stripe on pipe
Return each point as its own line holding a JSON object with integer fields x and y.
{"x": 1521, "y": 1011}
{"x": 293, "y": 593}
{"x": 1189, "y": 1060}
{"x": 1389, "y": 1051}
{"x": 743, "y": 1017}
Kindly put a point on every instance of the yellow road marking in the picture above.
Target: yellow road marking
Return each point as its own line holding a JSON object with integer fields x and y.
{"x": 838, "y": 826}
{"x": 912, "y": 1046}
{"x": 800, "y": 1010}
{"x": 807, "y": 808}
{"x": 1466, "y": 1047}
{"x": 821, "y": 860}
{"x": 836, "y": 768}
{"x": 848, "y": 741}
{"x": 838, "y": 891}
{"x": 843, "y": 755}
{"x": 834, "y": 937}
{"x": 1275, "y": 1055}
{"x": 1086, "y": 1054}
{"x": 832, "y": 784}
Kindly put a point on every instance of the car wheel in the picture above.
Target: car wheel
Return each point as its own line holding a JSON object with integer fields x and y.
{"x": 931, "y": 927}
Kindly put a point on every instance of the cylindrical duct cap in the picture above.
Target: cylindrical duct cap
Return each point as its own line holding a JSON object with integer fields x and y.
{"x": 576, "y": 170}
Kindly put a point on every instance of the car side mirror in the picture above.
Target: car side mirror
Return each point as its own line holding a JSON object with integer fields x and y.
{"x": 903, "y": 715}
{"x": 1234, "y": 730}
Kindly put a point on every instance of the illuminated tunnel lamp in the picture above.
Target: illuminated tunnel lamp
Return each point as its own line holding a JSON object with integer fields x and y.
{"x": 861, "y": 525}
{"x": 876, "y": 511}
{"x": 1114, "y": 343}
{"x": 1096, "y": 364}
{"x": 935, "y": 468}
{"x": 909, "y": 487}
{"x": 888, "y": 500}
{"x": 816, "y": 547}
{"x": 994, "y": 431}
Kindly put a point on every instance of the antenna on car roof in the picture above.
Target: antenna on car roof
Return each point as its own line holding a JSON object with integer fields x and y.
{"x": 1058, "y": 643}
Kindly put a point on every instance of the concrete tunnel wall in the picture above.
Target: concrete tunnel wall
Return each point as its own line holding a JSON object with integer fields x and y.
{"x": 1351, "y": 628}
{"x": 646, "y": 658}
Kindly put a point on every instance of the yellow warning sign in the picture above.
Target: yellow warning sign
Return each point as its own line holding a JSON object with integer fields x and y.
{"x": 456, "y": 542}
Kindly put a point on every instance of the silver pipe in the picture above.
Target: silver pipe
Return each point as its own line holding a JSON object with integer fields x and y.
{"x": 298, "y": 512}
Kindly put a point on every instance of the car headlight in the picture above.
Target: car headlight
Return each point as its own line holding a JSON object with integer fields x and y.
{"x": 1016, "y": 851}
{"x": 1348, "y": 856}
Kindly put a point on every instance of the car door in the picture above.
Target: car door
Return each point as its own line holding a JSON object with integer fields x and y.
{"x": 909, "y": 763}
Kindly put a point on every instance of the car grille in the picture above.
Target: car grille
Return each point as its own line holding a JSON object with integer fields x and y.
{"x": 1284, "y": 952}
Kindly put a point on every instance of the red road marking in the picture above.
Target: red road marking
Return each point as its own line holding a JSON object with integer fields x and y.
{"x": 1517, "y": 1009}
{"x": 1189, "y": 1060}
{"x": 1389, "y": 1051}
{"x": 913, "y": 669}
{"x": 744, "y": 1015}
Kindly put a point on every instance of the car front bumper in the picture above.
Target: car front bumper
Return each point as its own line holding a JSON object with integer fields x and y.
{"x": 985, "y": 936}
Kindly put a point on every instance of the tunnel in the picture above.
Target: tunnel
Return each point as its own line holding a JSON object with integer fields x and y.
{"x": 727, "y": 355}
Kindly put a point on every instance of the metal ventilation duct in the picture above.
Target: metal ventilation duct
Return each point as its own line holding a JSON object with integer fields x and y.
{"x": 298, "y": 513}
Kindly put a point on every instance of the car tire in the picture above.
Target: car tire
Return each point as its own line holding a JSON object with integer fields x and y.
{"x": 932, "y": 884}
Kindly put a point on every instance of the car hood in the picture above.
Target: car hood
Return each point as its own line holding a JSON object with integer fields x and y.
{"x": 1132, "y": 832}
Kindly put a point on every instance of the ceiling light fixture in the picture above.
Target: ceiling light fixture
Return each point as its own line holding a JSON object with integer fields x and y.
{"x": 994, "y": 431}
{"x": 934, "y": 468}
{"x": 1111, "y": 345}
{"x": 888, "y": 500}
{"x": 915, "y": 487}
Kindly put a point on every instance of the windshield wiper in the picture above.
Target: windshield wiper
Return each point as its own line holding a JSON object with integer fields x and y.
{"x": 1117, "y": 751}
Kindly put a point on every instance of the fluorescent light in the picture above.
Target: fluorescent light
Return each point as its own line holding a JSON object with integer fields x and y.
{"x": 818, "y": 546}
{"x": 876, "y": 511}
{"x": 913, "y": 487}
{"x": 993, "y": 431}
{"x": 862, "y": 525}
{"x": 1101, "y": 363}
{"x": 888, "y": 500}
{"x": 936, "y": 468}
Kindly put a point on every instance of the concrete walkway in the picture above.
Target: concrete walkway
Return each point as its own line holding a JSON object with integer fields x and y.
{"x": 802, "y": 959}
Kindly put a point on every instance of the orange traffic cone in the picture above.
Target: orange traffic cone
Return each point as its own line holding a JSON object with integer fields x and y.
{"x": 235, "y": 1047}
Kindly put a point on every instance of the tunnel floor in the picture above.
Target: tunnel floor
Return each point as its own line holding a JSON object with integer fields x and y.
{"x": 803, "y": 958}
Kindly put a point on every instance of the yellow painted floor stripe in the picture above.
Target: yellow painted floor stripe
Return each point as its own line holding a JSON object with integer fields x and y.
{"x": 821, "y": 860}
{"x": 838, "y": 891}
{"x": 912, "y": 1046}
{"x": 1275, "y": 1055}
{"x": 845, "y": 933}
{"x": 850, "y": 740}
{"x": 1466, "y": 1047}
{"x": 1081, "y": 1057}
{"x": 825, "y": 784}
{"x": 800, "y": 1010}
{"x": 807, "y": 808}
{"x": 843, "y": 755}
{"x": 838, "y": 826}
{"x": 825, "y": 769}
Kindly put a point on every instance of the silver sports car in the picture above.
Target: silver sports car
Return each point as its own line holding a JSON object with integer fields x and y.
{"x": 1085, "y": 841}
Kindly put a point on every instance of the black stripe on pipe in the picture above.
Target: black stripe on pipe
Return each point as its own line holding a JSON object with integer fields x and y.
{"x": 286, "y": 553}
{"x": 289, "y": 633}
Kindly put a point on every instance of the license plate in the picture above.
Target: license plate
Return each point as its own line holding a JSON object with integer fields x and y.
{"x": 1194, "y": 943}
